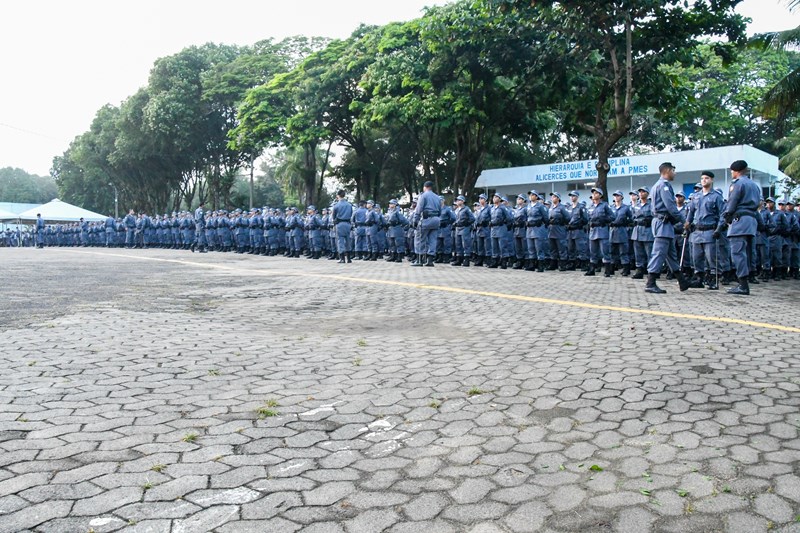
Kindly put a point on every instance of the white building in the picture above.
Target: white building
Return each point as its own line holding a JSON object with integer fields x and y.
{"x": 630, "y": 173}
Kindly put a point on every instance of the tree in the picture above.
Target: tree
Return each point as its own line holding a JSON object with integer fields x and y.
{"x": 18, "y": 186}
{"x": 612, "y": 52}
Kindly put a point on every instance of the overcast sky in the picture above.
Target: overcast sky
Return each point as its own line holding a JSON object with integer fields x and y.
{"x": 61, "y": 61}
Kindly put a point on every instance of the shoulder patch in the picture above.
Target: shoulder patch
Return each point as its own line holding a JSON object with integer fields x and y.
{"x": 731, "y": 189}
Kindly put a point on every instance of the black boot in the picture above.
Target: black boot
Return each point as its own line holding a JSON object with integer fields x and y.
{"x": 562, "y": 266}
{"x": 421, "y": 258}
{"x": 590, "y": 271}
{"x": 517, "y": 265}
{"x": 743, "y": 288}
{"x": 711, "y": 281}
{"x": 609, "y": 270}
{"x": 457, "y": 261}
{"x": 764, "y": 276}
{"x": 429, "y": 262}
{"x": 493, "y": 262}
{"x": 465, "y": 262}
{"x": 504, "y": 263}
{"x": 752, "y": 278}
{"x": 539, "y": 266}
{"x": 651, "y": 286}
{"x": 530, "y": 265}
{"x": 697, "y": 281}
{"x": 194, "y": 247}
{"x": 479, "y": 261}
{"x": 683, "y": 283}
{"x": 639, "y": 273}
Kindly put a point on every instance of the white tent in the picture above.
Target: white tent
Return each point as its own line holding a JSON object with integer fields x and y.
{"x": 7, "y": 215}
{"x": 58, "y": 211}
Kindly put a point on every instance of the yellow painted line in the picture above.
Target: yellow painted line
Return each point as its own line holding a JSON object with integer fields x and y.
{"x": 444, "y": 288}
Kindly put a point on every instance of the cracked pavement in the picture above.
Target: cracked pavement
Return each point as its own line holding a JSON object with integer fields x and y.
{"x": 226, "y": 393}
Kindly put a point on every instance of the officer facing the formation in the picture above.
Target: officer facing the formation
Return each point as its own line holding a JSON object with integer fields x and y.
{"x": 200, "y": 228}
{"x": 740, "y": 215}
{"x": 665, "y": 215}
{"x": 428, "y": 209}
{"x": 342, "y": 213}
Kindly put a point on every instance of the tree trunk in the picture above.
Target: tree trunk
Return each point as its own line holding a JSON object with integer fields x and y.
{"x": 309, "y": 171}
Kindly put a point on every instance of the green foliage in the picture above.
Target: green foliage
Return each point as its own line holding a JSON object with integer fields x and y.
{"x": 18, "y": 186}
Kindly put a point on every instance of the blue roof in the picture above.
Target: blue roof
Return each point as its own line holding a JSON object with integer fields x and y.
{"x": 15, "y": 208}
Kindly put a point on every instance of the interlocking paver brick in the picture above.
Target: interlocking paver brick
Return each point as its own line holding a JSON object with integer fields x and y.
{"x": 125, "y": 371}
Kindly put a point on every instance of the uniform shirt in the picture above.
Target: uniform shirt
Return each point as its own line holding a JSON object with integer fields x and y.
{"x": 665, "y": 209}
{"x": 429, "y": 205}
{"x": 740, "y": 212}
{"x": 342, "y": 211}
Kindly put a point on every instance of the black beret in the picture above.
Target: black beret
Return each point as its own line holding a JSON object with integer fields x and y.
{"x": 739, "y": 165}
{"x": 707, "y": 173}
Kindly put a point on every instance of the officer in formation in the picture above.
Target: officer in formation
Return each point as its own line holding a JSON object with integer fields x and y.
{"x": 701, "y": 241}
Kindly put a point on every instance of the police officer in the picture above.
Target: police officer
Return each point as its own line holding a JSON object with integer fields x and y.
{"x": 619, "y": 236}
{"x": 200, "y": 229}
{"x": 445, "y": 237}
{"x": 482, "y": 239}
{"x": 642, "y": 233}
{"x": 500, "y": 219}
{"x": 396, "y": 232}
{"x": 558, "y": 218}
{"x": 740, "y": 215}
{"x": 341, "y": 215}
{"x": 429, "y": 207}
{"x": 520, "y": 216}
{"x": 314, "y": 228}
{"x": 464, "y": 221}
{"x": 536, "y": 233}
{"x": 600, "y": 216}
{"x": 778, "y": 229}
{"x": 705, "y": 226}
{"x": 576, "y": 237}
{"x": 665, "y": 216}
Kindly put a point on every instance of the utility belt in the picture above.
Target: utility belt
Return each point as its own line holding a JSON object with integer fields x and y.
{"x": 704, "y": 227}
{"x": 429, "y": 214}
{"x": 552, "y": 223}
{"x": 535, "y": 224}
{"x": 338, "y": 220}
{"x": 360, "y": 224}
{"x": 592, "y": 225}
{"x": 645, "y": 223}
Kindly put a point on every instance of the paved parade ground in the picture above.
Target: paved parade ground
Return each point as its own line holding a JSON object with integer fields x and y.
{"x": 164, "y": 391}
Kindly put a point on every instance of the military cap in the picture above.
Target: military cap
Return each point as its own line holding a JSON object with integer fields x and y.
{"x": 370, "y": 202}
{"x": 597, "y": 189}
{"x": 459, "y": 197}
{"x": 707, "y": 173}
{"x": 521, "y": 197}
{"x": 504, "y": 198}
{"x": 789, "y": 201}
{"x": 781, "y": 202}
{"x": 483, "y": 196}
{"x": 311, "y": 208}
{"x": 476, "y": 203}
{"x": 770, "y": 199}
{"x": 739, "y": 165}
{"x": 698, "y": 185}
{"x": 643, "y": 189}
{"x": 619, "y": 193}
{"x": 556, "y": 195}
{"x": 573, "y": 193}
{"x": 665, "y": 165}
{"x": 393, "y": 202}
{"x": 680, "y": 193}
{"x": 533, "y": 192}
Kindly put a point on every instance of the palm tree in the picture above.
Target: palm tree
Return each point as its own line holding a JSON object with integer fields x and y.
{"x": 785, "y": 96}
{"x": 790, "y": 162}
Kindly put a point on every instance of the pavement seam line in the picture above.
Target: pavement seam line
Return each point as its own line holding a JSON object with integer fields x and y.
{"x": 444, "y": 288}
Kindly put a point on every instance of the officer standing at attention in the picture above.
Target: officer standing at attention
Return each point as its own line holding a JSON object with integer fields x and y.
{"x": 642, "y": 233}
{"x": 705, "y": 226}
{"x": 619, "y": 238}
{"x": 200, "y": 228}
{"x": 341, "y": 214}
{"x": 39, "y": 231}
{"x": 600, "y": 216}
{"x": 396, "y": 232}
{"x": 429, "y": 206}
{"x": 463, "y": 224}
{"x": 740, "y": 215}
{"x": 577, "y": 236}
{"x": 130, "y": 228}
{"x": 536, "y": 233}
{"x": 558, "y": 217}
{"x": 500, "y": 219}
{"x": 111, "y": 228}
{"x": 665, "y": 215}
{"x": 482, "y": 240}
{"x": 520, "y": 233}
